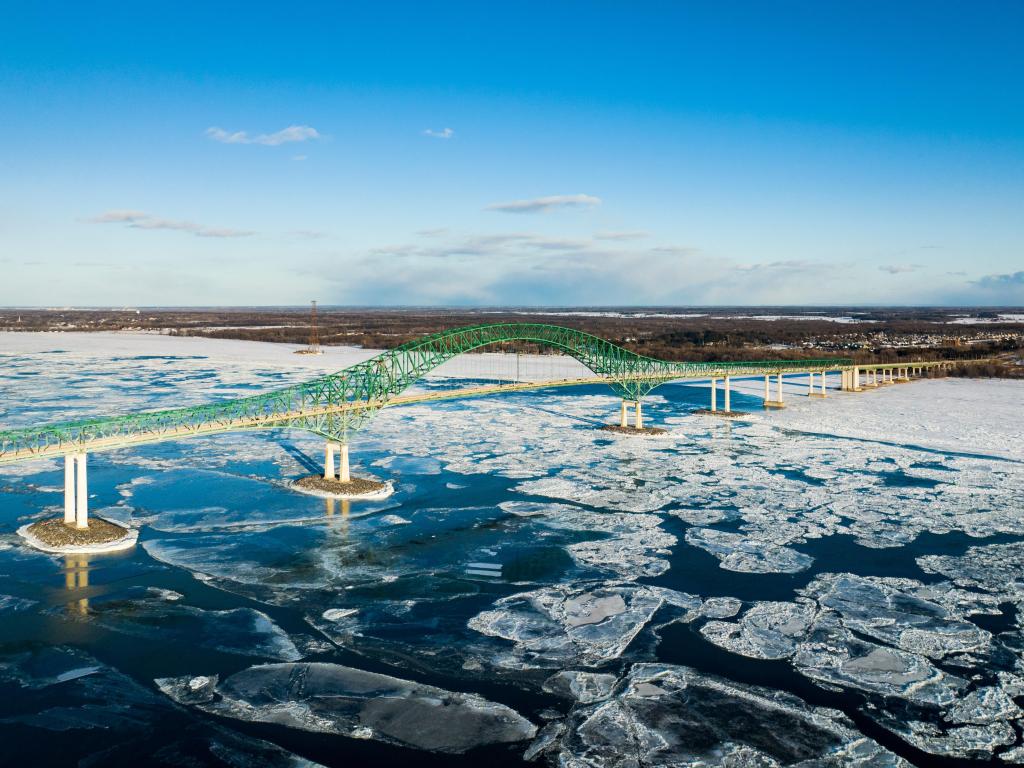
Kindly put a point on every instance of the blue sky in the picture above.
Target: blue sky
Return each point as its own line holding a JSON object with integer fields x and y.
{"x": 176, "y": 153}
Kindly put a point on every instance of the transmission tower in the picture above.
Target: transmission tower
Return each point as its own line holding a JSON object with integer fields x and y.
{"x": 314, "y": 335}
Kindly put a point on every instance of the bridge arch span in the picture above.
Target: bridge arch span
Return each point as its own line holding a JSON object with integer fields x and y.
{"x": 337, "y": 404}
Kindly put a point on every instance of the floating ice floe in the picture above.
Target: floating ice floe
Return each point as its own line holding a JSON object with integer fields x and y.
{"x": 665, "y": 715}
{"x": 78, "y": 703}
{"x": 583, "y": 687}
{"x": 242, "y": 631}
{"x": 330, "y": 698}
{"x": 885, "y": 637}
{"x": 766, "y": 630}
{"x": 748, "y": 555}
{"x": 634, "y": 546}
{"x": 994, "y": 568}
{"x": 575, "y": 624}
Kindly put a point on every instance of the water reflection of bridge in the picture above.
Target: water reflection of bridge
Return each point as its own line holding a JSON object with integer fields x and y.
{"x": 76, "y": 580}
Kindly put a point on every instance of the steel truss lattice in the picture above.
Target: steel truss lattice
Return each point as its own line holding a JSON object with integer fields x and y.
{"x": 338, "y": 404}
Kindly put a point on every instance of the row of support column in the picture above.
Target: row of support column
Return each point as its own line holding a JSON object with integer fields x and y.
{"x": 76, "y": 491}
{"x": 876, "y": 377}
{"x": 850, "y": 381}
{"x": 727, "y": 394}
{"x": 343, "y": 472}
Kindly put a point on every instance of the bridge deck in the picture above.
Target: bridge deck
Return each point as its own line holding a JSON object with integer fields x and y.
{"x": 55, "y": 449}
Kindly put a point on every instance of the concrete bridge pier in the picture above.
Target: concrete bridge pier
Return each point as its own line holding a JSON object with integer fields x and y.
{"x": 624, "y": 415}
{"x": 343, "y": 475}
{"x": 810, "y": 386}
{"x": 639, "y": 421}
{"x": 850, "y": 380}
{"x": 328, "y": 460}
{"x": 343, "y": 470}
{"x": 69, "y": 489}
{"x": 82, "y": 495}
{"x": 777, "y": 402}
{"x": 725, "y": 386}
{"x": 714, "y": 399}
{"x": 76, "y": 490}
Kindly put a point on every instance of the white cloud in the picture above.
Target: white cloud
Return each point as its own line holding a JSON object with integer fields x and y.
{"x": 899, "y": 269}
{"x": 543, "y": 204}
{"x": 287, "y": 135}
{"x": 623, "y": 235}
{"x": 444, "y": 133}
{"x": 141, "y": 220}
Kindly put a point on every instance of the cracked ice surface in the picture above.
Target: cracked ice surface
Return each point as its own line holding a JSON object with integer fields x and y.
{"x": 330, "y": 698}
{"x": 997, "y": 569}
{"x": 575, "y": 624}
{"x": 738, "y": 553}
{"x": 665, "y": 715}
{"x": 893, "y": 639}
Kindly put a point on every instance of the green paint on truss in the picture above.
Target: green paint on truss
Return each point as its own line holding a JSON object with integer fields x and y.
{"x": 345, "y": 401}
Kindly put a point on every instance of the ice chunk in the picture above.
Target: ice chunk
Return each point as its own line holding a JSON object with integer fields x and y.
{"x": 675, "y": 716}
{"x": 994, "y": 568}
{"x": 330, "y": 698}
{"x": 570, "y": 624}
{"x": 889, "y": 610}
{"x": 748, "y": 555}
{"x": 834, "y": 656}
{"x": 243, "y": 631}
{"x": 766, "y": 631}
{"x": 546, "y": 740}
{"x": 721, "y": 607}
{"x": 584, "y": 687}
{"x": 337, "y": 614}
{"x": 977, "y": 741}
{"x": 983, "y": 706}
{"x": 633, "y": 546}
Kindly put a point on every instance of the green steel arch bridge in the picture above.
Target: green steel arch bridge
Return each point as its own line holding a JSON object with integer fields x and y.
{"x": 338, "y": 404}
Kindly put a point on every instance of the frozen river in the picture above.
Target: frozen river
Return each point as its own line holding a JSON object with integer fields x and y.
{"x": 839, "y": 583}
